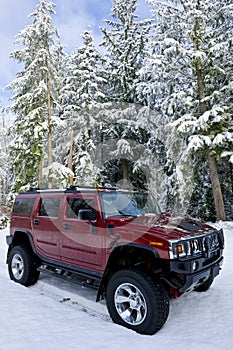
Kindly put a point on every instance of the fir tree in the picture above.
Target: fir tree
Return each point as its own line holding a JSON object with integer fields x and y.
{"x": 192, "y": 74}
{"x": 125, "y": 41}
{"x": 125, "y": 38}
{"x": 35, "y": 94}
{"x": 5, "y": 176}
{"x": 82, "y": 98}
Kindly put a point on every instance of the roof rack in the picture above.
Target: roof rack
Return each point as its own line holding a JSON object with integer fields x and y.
{"x": 33, "y": 189}
{"x": 77, "y": 188}
{"x": 72, "y": 188}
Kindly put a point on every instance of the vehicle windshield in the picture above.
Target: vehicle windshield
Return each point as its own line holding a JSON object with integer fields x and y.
{"x": 129, "y": 204}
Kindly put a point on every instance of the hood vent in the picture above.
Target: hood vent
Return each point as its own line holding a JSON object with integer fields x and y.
{"x": 189, "y": 226}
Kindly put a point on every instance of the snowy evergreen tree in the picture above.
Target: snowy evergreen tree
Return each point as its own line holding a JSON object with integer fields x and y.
{"x": 191, "y": 65}
{"x": 82, "y": 98}
{"x": 125, "y": 38}
{"x": 35, "y": 94}
{"x": 5, "y": 175}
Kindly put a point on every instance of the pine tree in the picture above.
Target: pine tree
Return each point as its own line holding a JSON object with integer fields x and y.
{"x": 192, "y": 74}
{"x": 125, "y": 38}
{"x": 4, "y": 161}
{"x": 82, "y": 98}
{"x": 35, "y": 94}
{"x": 125, "y": 43}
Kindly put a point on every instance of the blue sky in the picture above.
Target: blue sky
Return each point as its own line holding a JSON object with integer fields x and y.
{"x": 72, "y": 17}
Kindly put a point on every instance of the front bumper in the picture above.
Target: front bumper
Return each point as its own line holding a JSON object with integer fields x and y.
{"x": 186, "y": 275}
{"x": 196, "y": 279}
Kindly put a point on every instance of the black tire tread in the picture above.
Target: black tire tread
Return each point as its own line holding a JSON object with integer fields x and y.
{"x": 205, "y": 286}
{"x": 31, "y": 274}
{"x": 158, "y": 300}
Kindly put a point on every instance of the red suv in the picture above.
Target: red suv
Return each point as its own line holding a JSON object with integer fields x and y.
{"x": 116, "y": 241}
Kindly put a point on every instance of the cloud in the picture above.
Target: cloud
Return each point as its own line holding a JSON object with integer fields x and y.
{"x": 13, "y": 18}
{"x": 71, "y": 19}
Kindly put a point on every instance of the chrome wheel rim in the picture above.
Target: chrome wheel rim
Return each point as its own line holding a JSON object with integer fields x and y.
{"x": 130, "y": 304}
{"x": 17, "y": 266}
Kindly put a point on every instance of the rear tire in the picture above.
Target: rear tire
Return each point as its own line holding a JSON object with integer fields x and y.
{"x": 136, "y": 301}
{"x": 22, "y": 266}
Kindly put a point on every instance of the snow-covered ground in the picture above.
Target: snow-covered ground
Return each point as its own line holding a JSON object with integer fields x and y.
{"x": 56, "y": 315}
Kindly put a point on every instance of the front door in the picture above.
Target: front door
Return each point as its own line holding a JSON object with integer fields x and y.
{"x": 82, "y": 239}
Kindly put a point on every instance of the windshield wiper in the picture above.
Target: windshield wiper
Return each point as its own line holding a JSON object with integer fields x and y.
{"x": 127, "y": 215}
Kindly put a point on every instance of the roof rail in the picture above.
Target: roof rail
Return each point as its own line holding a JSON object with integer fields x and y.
{"x": 110, "y": 188}
{"x": 77, "y": 188}
{"x": 33, "y": 189}
{"x": 72, "y": 188}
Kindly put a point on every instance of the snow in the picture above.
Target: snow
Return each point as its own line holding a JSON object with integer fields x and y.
{"x": 56, "y": 315}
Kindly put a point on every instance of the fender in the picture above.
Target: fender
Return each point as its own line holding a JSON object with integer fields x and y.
{"x": 116, "y": 261}
{"x": 11, "y": 240}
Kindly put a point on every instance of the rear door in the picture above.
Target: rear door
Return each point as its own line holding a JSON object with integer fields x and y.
{"x": 82, "y": 240}
{"x": 46, "y": 226}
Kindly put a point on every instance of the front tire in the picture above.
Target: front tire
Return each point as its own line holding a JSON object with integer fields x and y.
{"x": 22, "y": 266}
{"x": 136, "y": 301}
{"x": 205, "y": 286}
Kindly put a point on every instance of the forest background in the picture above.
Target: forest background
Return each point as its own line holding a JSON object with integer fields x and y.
{"x": 149, "y": 108}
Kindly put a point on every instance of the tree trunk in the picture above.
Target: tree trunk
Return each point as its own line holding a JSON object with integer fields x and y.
{"x": 125, "y": 170}
{"x": 40, "y": 166}
{"x": 70, "y": 158}
{"x": 216, "y": 188}
{"x": 49, "y": 134}
{"x": 49, "y": 117}
{"x": 217, "y": 192}
{"x": 2, "y": 202}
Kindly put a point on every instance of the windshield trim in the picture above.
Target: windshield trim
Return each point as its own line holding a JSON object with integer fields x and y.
{"x": 120, "y": 213}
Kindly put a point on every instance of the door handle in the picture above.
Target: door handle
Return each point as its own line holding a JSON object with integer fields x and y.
{"x": 66, "y": 226}
{"x": 36, "y": 222}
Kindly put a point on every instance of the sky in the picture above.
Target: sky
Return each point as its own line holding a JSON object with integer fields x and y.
{"x": 71, "y": 19}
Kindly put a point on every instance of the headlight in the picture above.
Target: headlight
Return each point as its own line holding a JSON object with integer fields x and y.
{"x": 179, "y": 249}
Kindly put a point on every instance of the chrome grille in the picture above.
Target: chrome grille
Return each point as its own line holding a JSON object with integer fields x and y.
{"x": 211, "y": 242}
{"x": 198, "y": 245}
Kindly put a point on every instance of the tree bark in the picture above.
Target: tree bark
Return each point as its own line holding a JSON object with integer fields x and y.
{"x": 49, "y": 115}
{"x": 2, "y": 202}
{"x": 70, "y": 158}
{"x": 40, "y": 166}
{"x": 217, "y": 192}
{"x": 125, "y": 170}
{"x": 216, "y": 188}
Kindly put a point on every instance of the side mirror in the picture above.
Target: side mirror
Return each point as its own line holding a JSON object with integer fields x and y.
{"x": 86, "y": 214}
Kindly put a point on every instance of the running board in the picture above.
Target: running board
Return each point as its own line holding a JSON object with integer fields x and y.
{"x": 75, "y": 278}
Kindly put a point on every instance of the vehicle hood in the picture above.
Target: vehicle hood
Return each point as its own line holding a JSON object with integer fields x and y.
{"x": 163, "y": 226}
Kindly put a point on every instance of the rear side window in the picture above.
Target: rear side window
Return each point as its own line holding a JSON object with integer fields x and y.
{"x": 49, "y": 207}
{"x": 23, "y": 205}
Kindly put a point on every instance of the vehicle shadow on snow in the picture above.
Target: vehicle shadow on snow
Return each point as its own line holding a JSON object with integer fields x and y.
{"x": 192, "y": 311}
{"x": 71, "y": 293}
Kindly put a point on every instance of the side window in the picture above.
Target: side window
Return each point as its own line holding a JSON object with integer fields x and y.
{"x": 23, "y": 205}
{"x": 76, "y": 204}
{"x": 49, "y": 207}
